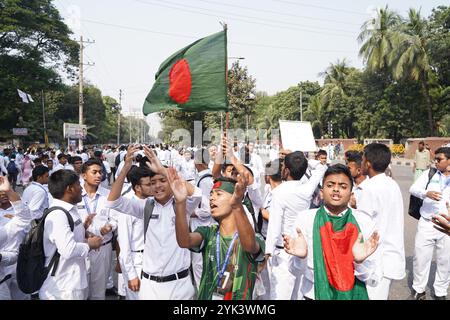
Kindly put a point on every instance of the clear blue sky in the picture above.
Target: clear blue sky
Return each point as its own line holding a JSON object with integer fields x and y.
{"x": 283, "y": 41}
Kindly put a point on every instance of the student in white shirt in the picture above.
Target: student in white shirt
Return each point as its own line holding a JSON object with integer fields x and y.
{"x": 131, "y": 233}
{"x": 165, "y": 273}
{"x": 35, "y": 195}
{"x": 93, "y": 202}
{"x": 382, "y": 199}
{"x": 14, "y": 221}
{"x": 202, "y": 214}
{"x": 435, "y": 195}
{"x": 288, "y": 200}
{"x": 354, "y": 162}
{"x": 70, "y": 280}
{"x": 62, "y": 162}
{"x": 345, "y": 277}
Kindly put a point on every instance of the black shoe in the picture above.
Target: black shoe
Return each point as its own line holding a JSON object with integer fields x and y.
{"x": 122, "y": 297}
{"x": 440, "y": 297}
{"x": 111, "y": 292}
{"x": 418, "y": 296}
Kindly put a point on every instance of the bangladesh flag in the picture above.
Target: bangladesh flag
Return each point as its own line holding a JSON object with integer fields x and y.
{"x": 334, "y": 274}
{"x": 193, "y": 79}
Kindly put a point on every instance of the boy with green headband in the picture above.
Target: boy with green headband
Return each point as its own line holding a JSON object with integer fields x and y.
{"x": 231, "y": 250}
{"x": 329, "y": 249}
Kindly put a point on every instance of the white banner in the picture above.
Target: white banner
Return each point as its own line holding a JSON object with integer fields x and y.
{"x": 297, "y": 136}
{"x": 20, "y": 131}
{"x": 74, "y": 131}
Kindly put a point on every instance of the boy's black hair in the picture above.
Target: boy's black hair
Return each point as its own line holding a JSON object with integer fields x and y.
{"x": 61, "y": 155}
{"x": 356, "y": 158}
{"x": 59, "y": 181}
{"x": 38, "y": 171}
{"x": 338, "y": 169}
{"x": 321, "y": 152}
{"x": 136, "y": 173}
{"x": 378, "y": 155}
{"x": 443, "y": 150}
{"x": 90, "y": 162}
{"x": 75, "y": 158}
{"x": 296, "y": 163}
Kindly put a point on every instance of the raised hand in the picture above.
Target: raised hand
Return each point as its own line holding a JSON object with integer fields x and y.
{"x": 239, "y": 189}
{"x": 4, "y": 184}
{"x": 442, "y": 221}
{"x": 296, "y": 246}
{"x": 177, "y": 185}
{"x": 362, "y": 250}
{"x": 154, "y": 164}
{"x": 132, "y": 148}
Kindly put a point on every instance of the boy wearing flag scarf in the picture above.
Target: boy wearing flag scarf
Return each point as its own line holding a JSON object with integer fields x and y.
{"x": 333, "y": 244}
{"x": 231, "y": 250}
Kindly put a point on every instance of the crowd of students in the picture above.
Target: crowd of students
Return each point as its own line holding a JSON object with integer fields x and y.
{"x": 216, "y": 223}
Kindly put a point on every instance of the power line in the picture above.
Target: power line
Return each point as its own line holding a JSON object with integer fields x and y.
{"x": 321, "y": 7}
{"x": 278, "y": 13}
{"x": 196, "y": 37}
{"x": 246, "y": 16}
{"x": 242, "y": 20}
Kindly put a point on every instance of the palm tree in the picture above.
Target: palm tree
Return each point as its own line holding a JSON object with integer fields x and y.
{"x": 316, "y": 114}
{"x": 378, "y": 35}
{"x": 410, "y": 59}
{"x": 334, "y": 83}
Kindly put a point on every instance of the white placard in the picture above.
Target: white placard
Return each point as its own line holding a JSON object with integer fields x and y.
{"x": 297, "y": 136}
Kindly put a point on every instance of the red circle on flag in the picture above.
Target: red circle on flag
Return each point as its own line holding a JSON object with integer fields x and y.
{"x": 180, "y": 82}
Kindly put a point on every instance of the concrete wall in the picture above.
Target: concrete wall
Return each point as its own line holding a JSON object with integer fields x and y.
{"x": 433, "y": 142}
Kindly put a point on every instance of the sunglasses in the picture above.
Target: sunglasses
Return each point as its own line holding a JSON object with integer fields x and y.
{"x": 439, "y": 159}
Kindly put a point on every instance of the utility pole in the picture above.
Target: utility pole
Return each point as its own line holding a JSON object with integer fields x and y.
{"x": 301, "y": 106}
{"x": 118, "y": 117}
{"x": 43, "y": 119}
{"x": 80, "y": 92}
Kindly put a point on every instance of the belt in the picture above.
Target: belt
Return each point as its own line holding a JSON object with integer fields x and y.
{"x": 140, "y": 251}
{"x": 175, "y": 276}
{"x": 7, "y": 277}
{"x": 104, "y": 244}
{"x": 279, "y": 247}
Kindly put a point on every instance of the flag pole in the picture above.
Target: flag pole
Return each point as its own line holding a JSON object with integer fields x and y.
{"x": 227, "y": 116}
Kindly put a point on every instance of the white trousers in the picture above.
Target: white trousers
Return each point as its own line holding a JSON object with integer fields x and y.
{"x": 197, "y": 267}
{"x": 137, "y": 258}
{"x": 380, "y": 291}
{"x": 181, "y": 289}
{"x": 100, "y": 266}
{"x": 427, "y": 239}
{"x": 121, "y": 286}
{"x": 282, "y": 281}
{"x": 64, "y": 295}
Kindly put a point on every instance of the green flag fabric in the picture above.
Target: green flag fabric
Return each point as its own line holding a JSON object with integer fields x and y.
{"x": 192, "y": 79}
{"x": 334, "y": 274}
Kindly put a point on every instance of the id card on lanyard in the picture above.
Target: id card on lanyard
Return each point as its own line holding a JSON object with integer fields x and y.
{"x": 86, "y": 203}
{"x": 221, "y": 273}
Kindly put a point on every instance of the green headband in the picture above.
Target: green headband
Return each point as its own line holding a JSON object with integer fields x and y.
{"x": 224, "y": 185}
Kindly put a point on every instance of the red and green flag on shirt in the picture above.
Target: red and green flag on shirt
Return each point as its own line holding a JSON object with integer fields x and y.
{"x": 334, "y": 273}
{"x": 192, "y": 79}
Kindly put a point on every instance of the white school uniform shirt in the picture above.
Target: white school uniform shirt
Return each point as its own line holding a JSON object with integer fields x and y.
{"x": 162, "y": 255}
{"x": 365, "y": 271}
{"x": 71, "y": 273}
{"x": 97, "y": 205}
{"x": 203, "y": 210}
{"x": 288, "y": 200}
{"x": 382, "y": 200}
{"x": 3, "y": 166}
{"x": 36, "y": 198}
{"x": 187, "y": 169}
{"x": 130, "y": 232}
{"x": 358, "y": 189}
{"x": 439, "y": 183}
{"x": 18, "y": 224}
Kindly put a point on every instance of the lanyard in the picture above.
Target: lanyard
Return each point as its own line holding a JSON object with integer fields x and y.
{"x": 88, "y": 209}
{"x": 221, "y": 271}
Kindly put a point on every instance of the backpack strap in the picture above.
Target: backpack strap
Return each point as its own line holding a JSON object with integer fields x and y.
{"x": 248, "y": 203}
{"x": 431, "y": 173}
{"x": 55, "y": 259}
{"x": 148, "y": 211}
{"x": 208, "y": 175}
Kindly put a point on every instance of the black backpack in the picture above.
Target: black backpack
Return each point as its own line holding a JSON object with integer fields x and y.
{"x": 416, "y": 203}
{"x": 31, "y": 270}
{"x": 12, "y": 168}
{"x": 117, "y": 160}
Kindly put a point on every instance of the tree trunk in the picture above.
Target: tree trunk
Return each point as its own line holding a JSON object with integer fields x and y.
{"x": 426, "y": 91}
